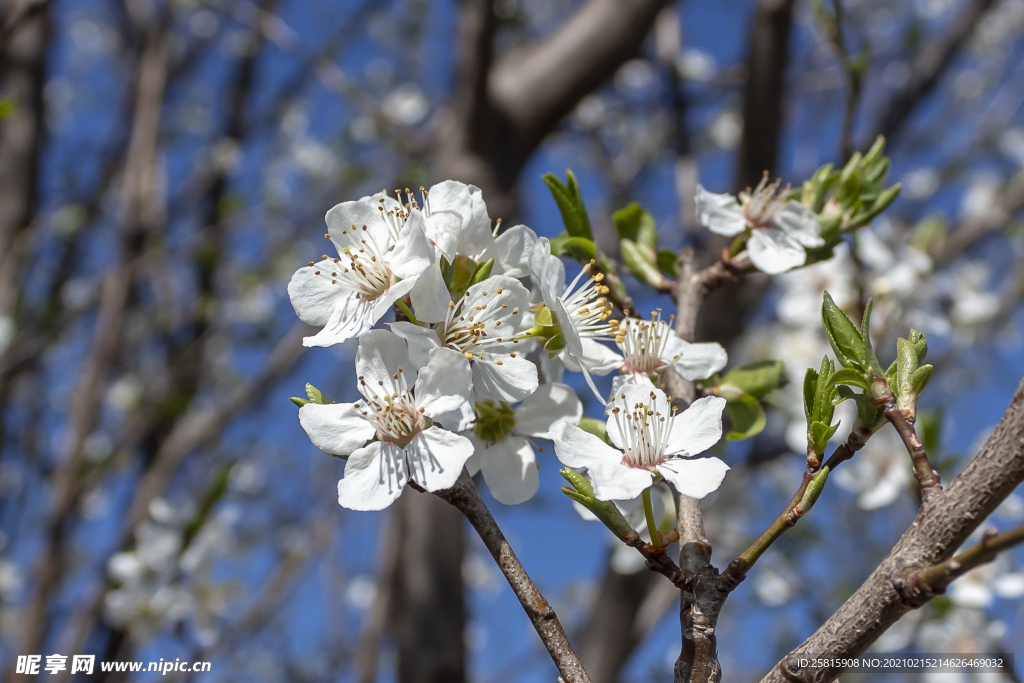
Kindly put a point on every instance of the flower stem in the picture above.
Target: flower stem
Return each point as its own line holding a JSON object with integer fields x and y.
{"x": 408, "y": 312}
{"x": 652, "y": 526}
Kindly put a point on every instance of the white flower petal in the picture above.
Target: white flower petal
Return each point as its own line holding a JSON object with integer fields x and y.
{"x": 313, "y": 296}
{"x": 697, "y": 428}
{"x": 430, "y": 297}
{"x": 512, "y": 250}
{"x": 615, "y": 481}
{"x": 444, "y": 387}
{"x": 383, "y": 303}
{"x": 772, "y": 251}
{"x": 695, "y": 361}
{"x": 421, "y": 341}
{"x": 346, "y": 220}
{"x": 577, "y": 448}
{"x": 695, "y": 478}
{"x": 550, "y": 404}
{"x": 719, "y": 213}
{"x": 442, "y": 229}
{"x": 800, "y": 223}
{"x": 336, "y": 428}
{"x": 599, "y": 358}
{"x": 513, "y": 380}
{"x": 378, "y": 357}
{"x": 474, "y": 462}
{"x": 547, "y": 272}
{"x": 466, "y": 200}
{"x": 510, "y": 470}
{"x": 352, "y": 316}
{"x": 374, "y": 477}
{"x": 412, "y": 253}
{"x": 1010, "y": 586}
{"x": 436, "y": 458}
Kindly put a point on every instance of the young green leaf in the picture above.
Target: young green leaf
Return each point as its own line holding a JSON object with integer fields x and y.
{"x": 570, "y": 204}
{"x": 747, "y": 417}
{"x": 632, "y": 222}
{"x": 757, "y": 379}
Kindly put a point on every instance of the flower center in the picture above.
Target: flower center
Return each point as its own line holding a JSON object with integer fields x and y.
{"x": 643, "y": 344}
{"x": 645, "y": 433}
{"x": 465, "y": 327}
{"x": 761, "y": 205}
{"x": 395, "y": 415}
{"x": 494, "y": 420}
{"x": 362, "y": 268}
{"x": 588, "y": 309}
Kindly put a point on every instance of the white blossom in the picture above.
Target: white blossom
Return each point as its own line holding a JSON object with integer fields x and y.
{"x": 481, "y": 325}
{"x": 382, "y": 251}
{"x": 582, "y": 313}
{"x": 778, "y": 229}
{"x": 649, "y": 347}
{"x": 504, "y": 451}
{"x": 649, "y": 443}
{"x": 405, "y": 408}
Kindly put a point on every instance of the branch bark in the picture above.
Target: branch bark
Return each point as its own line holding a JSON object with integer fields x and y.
{"x": 767, "y": 59}
{"x": 944, "y": 521}
{"x": 466, "y": 498}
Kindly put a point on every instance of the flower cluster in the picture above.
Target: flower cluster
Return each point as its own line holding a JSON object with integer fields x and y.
{"x": 454, "y": 380}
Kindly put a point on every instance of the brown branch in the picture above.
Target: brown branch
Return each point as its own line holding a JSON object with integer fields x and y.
{"x": 925, "y": 474}
{"x": 944, "y": 521}
{"x": 767, "y": 59}
{"x": 931, "y": 63}
{"x": 936, "y": 578}
{"x": 466, "y": 498}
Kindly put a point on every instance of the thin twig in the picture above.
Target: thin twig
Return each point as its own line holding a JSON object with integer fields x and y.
{"x": 935, "y": 579}
{"x": 925, "y": 474}
{"x": 465, "y": 496}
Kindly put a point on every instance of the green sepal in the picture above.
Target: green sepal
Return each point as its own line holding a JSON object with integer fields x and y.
{"x": 481, "y": 273}
{"x": 583, "y": 493}
{"x": 746, "y": 416}
{"x": 544, "y": 317}
{"x": 579, "y": 248}
{"x": 598, "y": 428}
{"x": 555, "y": 344}
{"x": 570, "y": 204}
{"x": 633, "y": 223}
{"x": 641, "y": 263}
{"x": 314, "y": 396}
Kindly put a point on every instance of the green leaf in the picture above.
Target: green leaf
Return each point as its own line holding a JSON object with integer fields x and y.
{"x": 819, "y": 433}
{"x": 316, "y": 396}
{"x": 844, "y": 337}
{"x": 634, "y": 223}
{"x": 849, "y": 376}
{"x": 920, "y": 344}
{"x": 825, "y": 391}
{"x": 757, "y": 379}
{"x": 640, "y": 264}
{"x": 570, "y": 204}
{"x": 481, "y": 272}
{"x": 598, "y": 428}
{"x": 747, "y": 417}
{"x": 814, "y": 490}
{"x": 579, "y": 248}
{"x": 810, "y": 392}
{"x": 668, "y": 262}
{"x": 919, "y": 380}
{"x": 583, "y": 493}
{"x": 299, "y": 401}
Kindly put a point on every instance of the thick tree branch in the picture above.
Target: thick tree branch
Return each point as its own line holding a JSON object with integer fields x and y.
{"x": 767, "y": 59}
{"x": 944, "y": 521}
{"x": 466, "y": 498}
{"x": 536, "y": 85}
